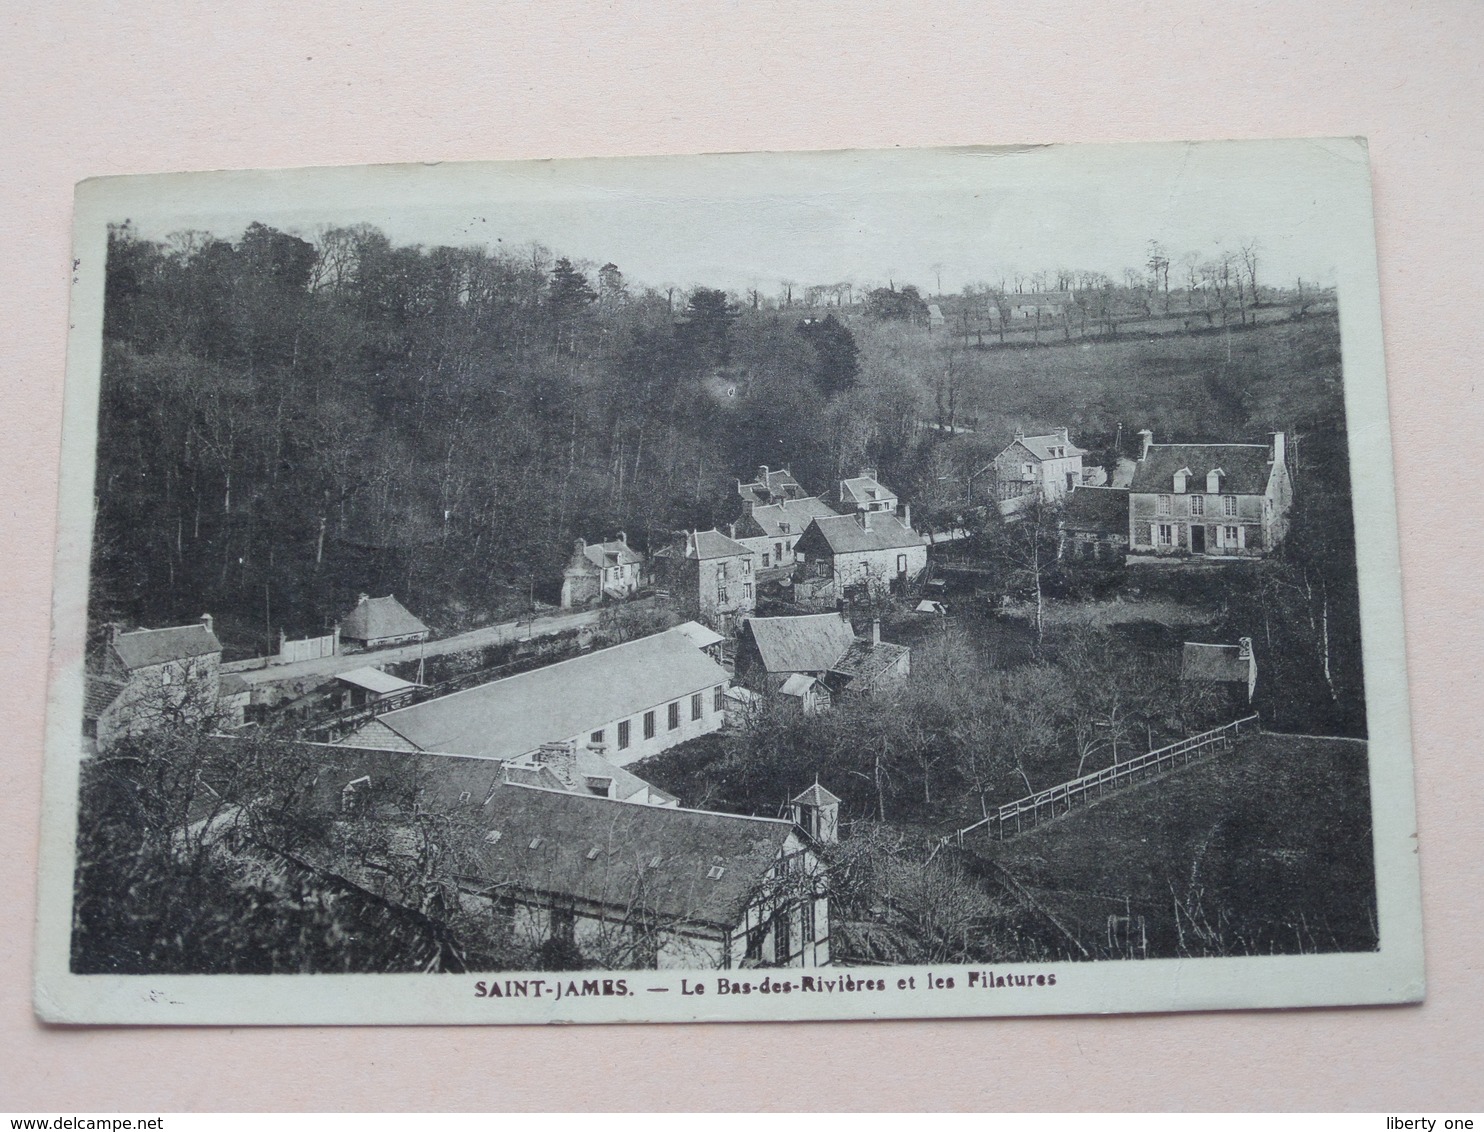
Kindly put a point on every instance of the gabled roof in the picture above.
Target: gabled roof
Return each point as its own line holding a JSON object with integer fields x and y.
{"x": 863, "y": 490}
{"x": 799, "y": 684}
{"x": 705, "y": 545}
{"x": 812, "y": 643}
{"x": 1100, "y": 509}
{"x": 507, "y": 718}
{"x": 610, "y": 554}
{"x": 144, "y": 647}
{"x": 1040, "y": 446}
{"x": 1246, "y": 467}
{"x": 682, "y": 865}
{"x": 865, "y": 660}
{"x": 702, "y": 636}
{"x": 771, "y": 485}
{"x": 817, "y": 795}
{"x": 99, "y": 692}
{"x": 378, "y": 617}
{"x": 769, "y": 519}
{"x": 375, "y": 680}
{"x": 587, "y": 764}
{"x": 844, "y": 534}
{"x": 1220, "y": 663}
{"x": 232, "y": 684}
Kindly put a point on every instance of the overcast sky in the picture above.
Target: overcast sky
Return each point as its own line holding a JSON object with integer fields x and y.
{"x": 753, "y": 220}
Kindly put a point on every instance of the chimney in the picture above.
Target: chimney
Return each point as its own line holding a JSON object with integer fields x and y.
{"x": 1019, "y": 433}
{"x": 1280, "y": 448}
{"x": 907, "y": 514}
{"x": 112, "y": 628}
{"x": 623, "y": 537}
{"x": 1062, "y": 432}
{"x": 732, "y": 530}
{"x": 560, "y": 759}
{"x": 1146, "y": 440}
{"x": 875, "y": 630}
{"x": 364, "y": 598}
{"x": 762, "y": 474}
{"x": 206, "y": 620}
{"x": 1244, "y": 648}
{"x": 868, "y": 473}
{"x": 864, "y": 519}
{"x": 578, "y": 548}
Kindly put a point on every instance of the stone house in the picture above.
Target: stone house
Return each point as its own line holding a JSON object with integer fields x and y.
{"x": 1230, "y": 668}
{"x": 711, "y": 578}
{"x": 866, "y": 554}
{"x": 1045, "y": 467}
{"x": 625, "y": 702}
{"x": 770, "y": 530}
{"x": 151, "y": 678}
{"x": 1208, "y": 500}
{"x": 612, "y": 570}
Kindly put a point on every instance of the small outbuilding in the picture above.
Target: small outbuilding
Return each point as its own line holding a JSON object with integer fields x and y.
{"x": 379, "y": 621}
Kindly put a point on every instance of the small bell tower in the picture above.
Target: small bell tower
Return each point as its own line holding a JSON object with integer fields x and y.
{"x": 817, "y": 812}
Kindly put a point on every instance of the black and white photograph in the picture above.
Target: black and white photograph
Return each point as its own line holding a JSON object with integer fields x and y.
{"x": 880, "y": 584}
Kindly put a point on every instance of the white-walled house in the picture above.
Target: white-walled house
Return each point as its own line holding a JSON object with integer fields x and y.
{"x": 626, "y": 702}
{"x": 597, "y": 570}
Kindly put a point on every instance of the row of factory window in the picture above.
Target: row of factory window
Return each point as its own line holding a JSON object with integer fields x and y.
{"x": 672, "y": 718}
{"x": 1198, "y": 505}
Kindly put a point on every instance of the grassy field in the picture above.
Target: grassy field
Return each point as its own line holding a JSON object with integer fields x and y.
{"x": 1263, "y": 850}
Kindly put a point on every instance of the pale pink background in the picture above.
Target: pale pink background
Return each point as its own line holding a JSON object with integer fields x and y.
{"x": 88, "y": 89}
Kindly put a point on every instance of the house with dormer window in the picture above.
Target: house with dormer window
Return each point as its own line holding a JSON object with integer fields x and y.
{"x": 1208, "y": 500}
{"x": 1044, "y": 467}
{"x": 866, "y": 493}
{"x": 770, "y": 530}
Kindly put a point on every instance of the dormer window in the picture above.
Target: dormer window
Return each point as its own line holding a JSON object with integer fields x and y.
{"x": 1213, "y": 481}
{"x": 1180, "y": 477}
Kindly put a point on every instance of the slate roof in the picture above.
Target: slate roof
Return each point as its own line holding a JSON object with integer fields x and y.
{"x": 798, "y": 684}
{"x": 713, "y": 544}
{"x": 650, "y": 859}
{"x": 863, "y": 490}
{"x": 844, "y": 533}
{"x": 379, "y": 617}
{"x": 610, "y": 554}
{"x": 771, "y": 485}
{"x": 811, "y": 643}
{"x": 375, "y": 680}
{"x": 1040, "y": 446}
{"x": 817, "y": 795}
{"x": 702, "y": 636}
{"x": 507, "y": 718}
{"x": 769, "y": 519}
{"x": 145, "y": 647}
{"x": 588, "y": 765}
{"x": 232, "y": 684}
{"x": 865, "y": 661}
{"x": 1222, "y": 663}
{"x": 99, "y": 692}
{"x": 1100, "y": 509}
{"x": 1247, "y": 467}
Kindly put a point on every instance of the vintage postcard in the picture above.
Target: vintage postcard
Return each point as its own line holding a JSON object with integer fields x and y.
{"x": 739, "y": 587}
